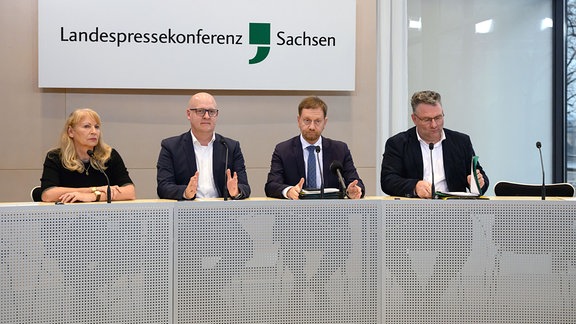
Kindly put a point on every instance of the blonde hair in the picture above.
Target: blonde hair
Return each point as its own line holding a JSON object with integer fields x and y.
{"x": 68, "y": 156}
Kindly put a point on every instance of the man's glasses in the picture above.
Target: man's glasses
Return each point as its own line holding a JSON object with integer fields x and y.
{"x": 429, "y": 120}
{"x": 316, "y": 122}
{"x": 200, "y": 112}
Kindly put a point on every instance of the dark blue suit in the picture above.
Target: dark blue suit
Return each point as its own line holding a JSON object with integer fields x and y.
{"x": 287, "y": 166}
{"x": 177, "y": 164}
{"x": 402, "y": 165}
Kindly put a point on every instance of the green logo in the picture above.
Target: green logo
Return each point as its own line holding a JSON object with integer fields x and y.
{"x": 260, "y": 35}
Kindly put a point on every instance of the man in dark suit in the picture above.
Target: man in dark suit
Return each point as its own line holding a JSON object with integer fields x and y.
{"x": 193, "y": 164}
{"x": 289, "y": 166}
{"x": 293, "y": 167}
{"x": 406, "y": 166}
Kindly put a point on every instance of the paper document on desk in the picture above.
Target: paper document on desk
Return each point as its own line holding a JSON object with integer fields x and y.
{"x": 329, "y": 193}
{"x": 474, "y": 184}
{"x": 307, "y": 191}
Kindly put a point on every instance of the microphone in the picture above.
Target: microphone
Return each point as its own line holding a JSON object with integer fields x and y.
{"x": 336, "y": 168}
{"x": 108, "y": 195}
{"x": 225, "y": 168}
{"x": 321, "y": 174}
{"x": 431, "y": 146}
{"x": 539, "y": 145}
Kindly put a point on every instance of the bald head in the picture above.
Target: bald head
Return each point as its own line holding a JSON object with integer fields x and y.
{"x": 202, "y": 100}
{"x": 202, "y": 114}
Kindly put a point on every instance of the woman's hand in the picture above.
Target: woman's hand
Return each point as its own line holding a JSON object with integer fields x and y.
{"x": 75, "y": 196}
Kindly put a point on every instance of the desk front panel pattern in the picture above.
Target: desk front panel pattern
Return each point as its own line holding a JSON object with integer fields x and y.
{"x": 82, "y": 263}
{"x": 269, "y": 261}
{"x": 480, "y": 262}
{"x": 278, "y": 262}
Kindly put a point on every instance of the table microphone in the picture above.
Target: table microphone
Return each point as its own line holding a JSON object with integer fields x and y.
{"x": 539, "y": 145}
{"x": 336, "y": 168}
{"x": 108, "y": 195}
{"x": 321, "y": 173}
{"x": 431, "y": 146}
{"x": 225, "y": 169}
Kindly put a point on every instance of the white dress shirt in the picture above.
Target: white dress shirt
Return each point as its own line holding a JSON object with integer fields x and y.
{"x": 204, "y": 155}
{"x": 440, "y": 183}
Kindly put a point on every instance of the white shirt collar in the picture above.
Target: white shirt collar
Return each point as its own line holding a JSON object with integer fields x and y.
{"x": 435, "y": 144}
{"x": 196, "y": 142}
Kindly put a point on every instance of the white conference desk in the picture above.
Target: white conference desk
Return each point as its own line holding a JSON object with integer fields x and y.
{"x": 375, "y": 260}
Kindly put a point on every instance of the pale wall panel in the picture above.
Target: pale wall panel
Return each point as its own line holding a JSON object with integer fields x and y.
{"x": 145, "y": 182}
{"x": 16, "y": 184}
{"x": 27, "y": 114}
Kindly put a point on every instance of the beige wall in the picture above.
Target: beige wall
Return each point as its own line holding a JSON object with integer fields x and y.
{"x": 135, "y": 121}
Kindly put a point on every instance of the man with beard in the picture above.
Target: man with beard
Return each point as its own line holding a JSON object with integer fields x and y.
{"x": 294, "y": 166}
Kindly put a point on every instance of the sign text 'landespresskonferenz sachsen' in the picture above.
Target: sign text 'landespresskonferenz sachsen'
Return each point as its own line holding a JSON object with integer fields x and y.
{"x": 192, "y": 44}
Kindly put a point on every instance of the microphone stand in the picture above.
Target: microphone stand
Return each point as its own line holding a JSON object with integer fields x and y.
{"x": 431, "y": 146}
{"x": 108, "y": 193}
{"x": 335, "y": 167}
{"x": 225, "y": 169}
{"x": 539, "y": 145}
{"x": 321, "y": 173}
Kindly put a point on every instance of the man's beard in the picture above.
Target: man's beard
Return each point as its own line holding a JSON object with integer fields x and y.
{"x": 311, "y": 136}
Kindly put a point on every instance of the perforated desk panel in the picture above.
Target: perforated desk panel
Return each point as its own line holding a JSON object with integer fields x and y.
{"x": 480, "y": 261}
{"x": 86, "y": 263}
{"x": 278, "y": 262}
{"x": 271, "y": 261}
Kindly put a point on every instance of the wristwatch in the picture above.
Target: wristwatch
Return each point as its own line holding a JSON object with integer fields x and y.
{"x": 238, "y": 196}
{"x": 97, "y": 193}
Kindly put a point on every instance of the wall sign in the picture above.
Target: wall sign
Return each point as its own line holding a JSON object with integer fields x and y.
{"x": 193, "y": 44}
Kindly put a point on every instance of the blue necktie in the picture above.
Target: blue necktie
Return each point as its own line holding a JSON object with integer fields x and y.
{"x": 311, "y": 178}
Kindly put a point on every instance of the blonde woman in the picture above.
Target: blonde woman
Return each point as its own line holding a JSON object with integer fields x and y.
{"x": 71, "y": 174}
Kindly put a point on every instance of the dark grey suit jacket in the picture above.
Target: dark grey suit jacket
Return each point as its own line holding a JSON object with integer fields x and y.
{"x": 287, "y": 166}
{"x": 177, "y": 164}
{"x": 402, "y": 165}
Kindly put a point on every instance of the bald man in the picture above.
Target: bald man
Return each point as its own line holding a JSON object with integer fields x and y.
{"x": 194, "y": 164}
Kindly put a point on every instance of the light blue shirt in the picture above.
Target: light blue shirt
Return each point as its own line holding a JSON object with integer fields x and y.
{"x": 319, "y": 159}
